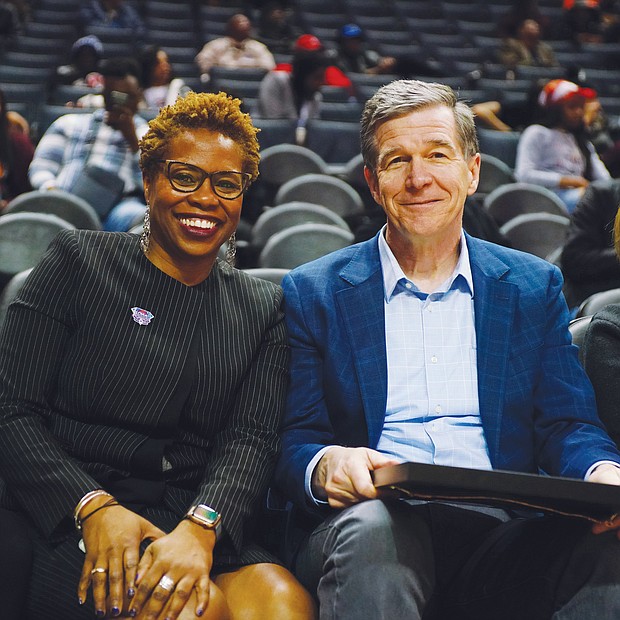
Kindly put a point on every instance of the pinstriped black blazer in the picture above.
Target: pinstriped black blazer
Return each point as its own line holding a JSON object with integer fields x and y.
{"x": 83, "y": 385}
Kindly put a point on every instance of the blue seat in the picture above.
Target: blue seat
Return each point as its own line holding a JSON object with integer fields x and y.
{"x": 500, "y": 144}
{"x": 335, "y": 141}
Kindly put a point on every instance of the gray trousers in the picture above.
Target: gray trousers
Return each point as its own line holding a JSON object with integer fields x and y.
{"x": 409, "y": 560}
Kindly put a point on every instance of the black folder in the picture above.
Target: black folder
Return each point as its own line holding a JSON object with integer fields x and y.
{"x": 567, "y": 496}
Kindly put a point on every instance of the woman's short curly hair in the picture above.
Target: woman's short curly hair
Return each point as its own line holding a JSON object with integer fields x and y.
{"x": 217, "y": 112}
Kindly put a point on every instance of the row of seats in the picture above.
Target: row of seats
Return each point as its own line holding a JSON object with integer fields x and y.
{"x": 398, "y": 24}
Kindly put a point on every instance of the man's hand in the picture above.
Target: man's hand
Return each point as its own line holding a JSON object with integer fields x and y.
{"x": 342, "y": 476}
{"x": 572, "y": 182}
{"x": 121, "y": 118}
{"x": 606, "y": 474}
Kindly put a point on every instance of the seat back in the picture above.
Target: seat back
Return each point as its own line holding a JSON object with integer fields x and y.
{"x": 302, "y": 243}
{"x": 578, "y": 328}
{"x": 597, "y": 301}
{"x": 24, "y": 237}
{"x": 536, "y": 233}
{"x": 282, "y": 162}
{"x": 274, "y": 131}
{"x": 290, "y": 214}
{"x": 500, "y": 144}
{"x": 331, "y": 192}
{"x": 65, "y": 205}
{"x": 335, "y": 141}
{"x": 513, "y": 199}
{"x": 493, "y": 174}
{"x": 271, "y": 274}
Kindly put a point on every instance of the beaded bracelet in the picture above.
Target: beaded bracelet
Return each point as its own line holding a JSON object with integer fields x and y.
{"x": 90, "y": 495}
{"x": 111, "y": 502}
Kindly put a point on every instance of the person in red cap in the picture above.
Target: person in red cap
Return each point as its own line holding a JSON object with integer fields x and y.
{"x": 557, "y": 153}
{"x": 294, "y": 91}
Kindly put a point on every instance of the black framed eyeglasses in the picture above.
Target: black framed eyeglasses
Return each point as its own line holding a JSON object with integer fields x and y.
{"x": 187, "y": 178}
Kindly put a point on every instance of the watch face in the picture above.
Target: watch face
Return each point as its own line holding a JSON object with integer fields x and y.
{"x": 206, "y": 513}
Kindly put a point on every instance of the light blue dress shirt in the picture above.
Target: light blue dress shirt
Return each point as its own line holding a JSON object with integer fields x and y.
{"x": 432, "y": 413}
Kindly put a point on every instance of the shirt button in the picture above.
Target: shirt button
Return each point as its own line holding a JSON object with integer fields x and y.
{"x": 408, "y": 285}
{"x": 434, "y": 359}
{"x": 437, "y": 408}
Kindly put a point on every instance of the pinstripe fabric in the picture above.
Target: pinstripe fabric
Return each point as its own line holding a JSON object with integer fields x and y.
{"x": 82, "y": 385}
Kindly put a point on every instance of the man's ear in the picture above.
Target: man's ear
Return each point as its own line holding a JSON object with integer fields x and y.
{"x": 474, "y": 174}
{"x": 373, "y": 184}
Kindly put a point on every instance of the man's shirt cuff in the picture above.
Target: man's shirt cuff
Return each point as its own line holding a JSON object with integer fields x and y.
{"x": 593, "y": 467}
{"x": 309, "y": 471}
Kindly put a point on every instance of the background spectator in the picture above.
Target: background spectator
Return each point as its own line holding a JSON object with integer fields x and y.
{"x": 112, "y": 14}
{"x": 354, "y": 56}
{"x": 10, "y": 24}
{"x": 589, "y": 262}
{"x": 295, "y": 94}
{"x": 521, "y": 10}
{"x": 159, "y": 87}
{"x": 106, "y": 138}
{"x": 583, "y": 20}
{"x": 510, "y": 114}
{"x": 557, "y": 153}
{"x": 236, "y": 49}
{"x": 16, "y": 152}
{"x": 276, "y": 28}
{"x": 526, "y": 48}
{"x": 83, "y": 70}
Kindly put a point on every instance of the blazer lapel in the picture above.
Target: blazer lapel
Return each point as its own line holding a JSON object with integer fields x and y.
{"x": 494, "y": 305}
{"x": 360, "y": 302}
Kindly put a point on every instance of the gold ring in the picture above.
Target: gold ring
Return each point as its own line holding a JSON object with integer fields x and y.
{"x": 98, "y": 569}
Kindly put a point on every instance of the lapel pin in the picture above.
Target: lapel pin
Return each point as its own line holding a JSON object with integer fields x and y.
{"x": 141, "y": 317}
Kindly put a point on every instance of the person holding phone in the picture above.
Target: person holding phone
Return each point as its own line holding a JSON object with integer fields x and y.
{"x": 106, "y": 139}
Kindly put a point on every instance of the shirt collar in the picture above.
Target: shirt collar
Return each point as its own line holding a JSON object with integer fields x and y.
{"x": 393, "y": 273}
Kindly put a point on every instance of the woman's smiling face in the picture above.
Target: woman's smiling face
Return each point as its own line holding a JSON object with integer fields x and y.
{"x": 188, "y": 228}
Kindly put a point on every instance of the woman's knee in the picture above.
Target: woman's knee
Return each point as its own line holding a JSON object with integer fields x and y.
{"x": 265, "y": 591}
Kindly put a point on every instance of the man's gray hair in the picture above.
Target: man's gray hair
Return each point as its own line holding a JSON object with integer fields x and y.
{"x": 404, "y": 96}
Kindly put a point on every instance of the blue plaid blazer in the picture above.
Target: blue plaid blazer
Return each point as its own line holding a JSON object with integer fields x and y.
{"x": 536, "y": 402}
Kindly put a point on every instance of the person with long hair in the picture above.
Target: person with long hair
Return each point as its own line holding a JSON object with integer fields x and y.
{"x": 159, "y": 85}
{"x": 296, "y": 94}
{"x": 557, "y": 152}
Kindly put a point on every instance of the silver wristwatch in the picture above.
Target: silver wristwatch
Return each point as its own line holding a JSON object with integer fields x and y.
{"x": 206, "y": 517}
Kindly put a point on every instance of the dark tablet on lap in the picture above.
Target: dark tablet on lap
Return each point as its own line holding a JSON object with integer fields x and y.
{"x": 577, "y": 498}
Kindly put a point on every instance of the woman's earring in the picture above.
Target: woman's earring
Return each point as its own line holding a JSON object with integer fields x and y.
{"x": 145, "y": 237}
{"x": 231, "y": 250}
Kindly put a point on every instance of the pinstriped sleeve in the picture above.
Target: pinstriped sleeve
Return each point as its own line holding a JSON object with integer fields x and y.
{"x": 245, "y": 450}
{"x": 39, "y": 474}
